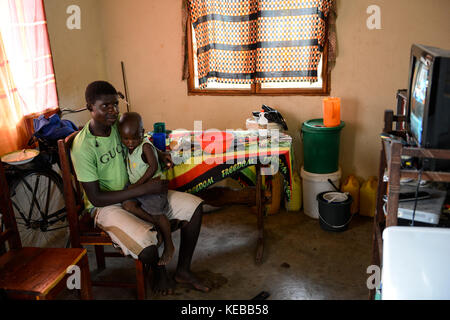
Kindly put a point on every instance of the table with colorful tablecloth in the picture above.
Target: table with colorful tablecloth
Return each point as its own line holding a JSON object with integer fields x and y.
{"x": 250, "y": 160}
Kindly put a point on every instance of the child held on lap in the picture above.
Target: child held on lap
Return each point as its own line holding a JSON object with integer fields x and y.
{"x": 142, "y": 165}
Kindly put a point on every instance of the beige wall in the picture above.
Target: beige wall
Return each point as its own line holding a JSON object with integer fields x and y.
{"x": 78, "y": 55}
{"x": 146, "y": 35}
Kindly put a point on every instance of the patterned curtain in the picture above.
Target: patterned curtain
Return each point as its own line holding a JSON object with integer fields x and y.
{"x": 27, "y": 80}
{"x": 255, "y": 41}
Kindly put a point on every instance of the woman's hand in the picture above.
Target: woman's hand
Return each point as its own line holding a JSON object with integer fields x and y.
{"x": 157, "y": 186}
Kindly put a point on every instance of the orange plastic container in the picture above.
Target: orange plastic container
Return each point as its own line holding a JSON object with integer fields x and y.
{"x": 331, "y": 112}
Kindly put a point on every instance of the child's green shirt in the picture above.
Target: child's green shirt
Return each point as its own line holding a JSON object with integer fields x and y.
{"x": 136, "y": 167}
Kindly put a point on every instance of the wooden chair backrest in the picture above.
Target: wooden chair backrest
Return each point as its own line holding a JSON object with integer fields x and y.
{"x": 73, "y": 194}
{"x": 8, "y": 232}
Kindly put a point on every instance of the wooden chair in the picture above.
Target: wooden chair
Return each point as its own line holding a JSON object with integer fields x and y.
{"x": 81, "y": 225}
{"x": 35, "y": 273}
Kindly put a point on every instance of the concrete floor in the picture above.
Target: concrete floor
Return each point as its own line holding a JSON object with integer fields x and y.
{"x": 301, "y": 261}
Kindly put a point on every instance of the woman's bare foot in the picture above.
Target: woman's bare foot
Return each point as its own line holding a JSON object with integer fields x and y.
{"x": 162, "y": 284}
{"x": 169, "y": 250}
{"x": 190, "y": 278}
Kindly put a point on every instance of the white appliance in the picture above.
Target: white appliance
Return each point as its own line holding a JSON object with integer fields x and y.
{"x": 416, "y": 263}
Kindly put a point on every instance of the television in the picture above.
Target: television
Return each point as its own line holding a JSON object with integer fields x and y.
{"x": 428, "y": 102}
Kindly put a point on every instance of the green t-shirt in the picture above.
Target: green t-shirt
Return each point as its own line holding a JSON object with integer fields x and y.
{"x": 100, "y": 159}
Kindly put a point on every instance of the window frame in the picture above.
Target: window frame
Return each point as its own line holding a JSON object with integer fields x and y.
{"x": 256, "y": 87}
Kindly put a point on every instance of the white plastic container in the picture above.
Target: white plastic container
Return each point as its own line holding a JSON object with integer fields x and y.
{"x": 415, "y": 263}
{"x": 262, "y": 122}
{"x": 313, "y": 184}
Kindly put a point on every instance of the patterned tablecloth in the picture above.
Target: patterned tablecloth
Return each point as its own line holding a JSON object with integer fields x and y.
{"x": 196, "y": 170}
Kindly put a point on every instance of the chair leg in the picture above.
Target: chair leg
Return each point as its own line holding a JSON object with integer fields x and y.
{"x": 86, "y": 285}
{"x": 140, "y": 280}
{"x": 100, "y": 257}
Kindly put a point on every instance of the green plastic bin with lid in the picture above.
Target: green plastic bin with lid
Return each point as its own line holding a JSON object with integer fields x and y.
{"x": 321, "y": 146}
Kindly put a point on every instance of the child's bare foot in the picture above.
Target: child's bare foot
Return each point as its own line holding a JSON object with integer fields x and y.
{"x": 190, "y": 278}
{"x": 169, "y": 250}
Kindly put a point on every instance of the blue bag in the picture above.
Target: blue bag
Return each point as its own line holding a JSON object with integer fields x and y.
{"x": 53, "y": 128}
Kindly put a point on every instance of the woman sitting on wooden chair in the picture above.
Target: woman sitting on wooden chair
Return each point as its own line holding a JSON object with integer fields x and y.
{"x": 98, "y": 159}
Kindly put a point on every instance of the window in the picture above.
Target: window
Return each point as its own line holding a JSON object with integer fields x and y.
{"x": 27, "y": 80}
{"x": 276, "y": 49}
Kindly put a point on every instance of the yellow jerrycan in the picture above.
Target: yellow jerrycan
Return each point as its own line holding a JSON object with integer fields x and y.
{"x": 351, "y": 185}
{"x": 368, "y": 197}
{"x": 296, "y": 197}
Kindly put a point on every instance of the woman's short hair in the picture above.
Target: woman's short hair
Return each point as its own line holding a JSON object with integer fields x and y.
{"x": 98, "y": 88}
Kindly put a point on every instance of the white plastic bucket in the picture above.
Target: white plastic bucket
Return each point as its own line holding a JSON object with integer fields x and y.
{"x": 313, "y": 184}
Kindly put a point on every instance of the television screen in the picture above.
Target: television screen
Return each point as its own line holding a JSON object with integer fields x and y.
{"x": 428, "y": 103}
{"x": 418, "y": 96}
